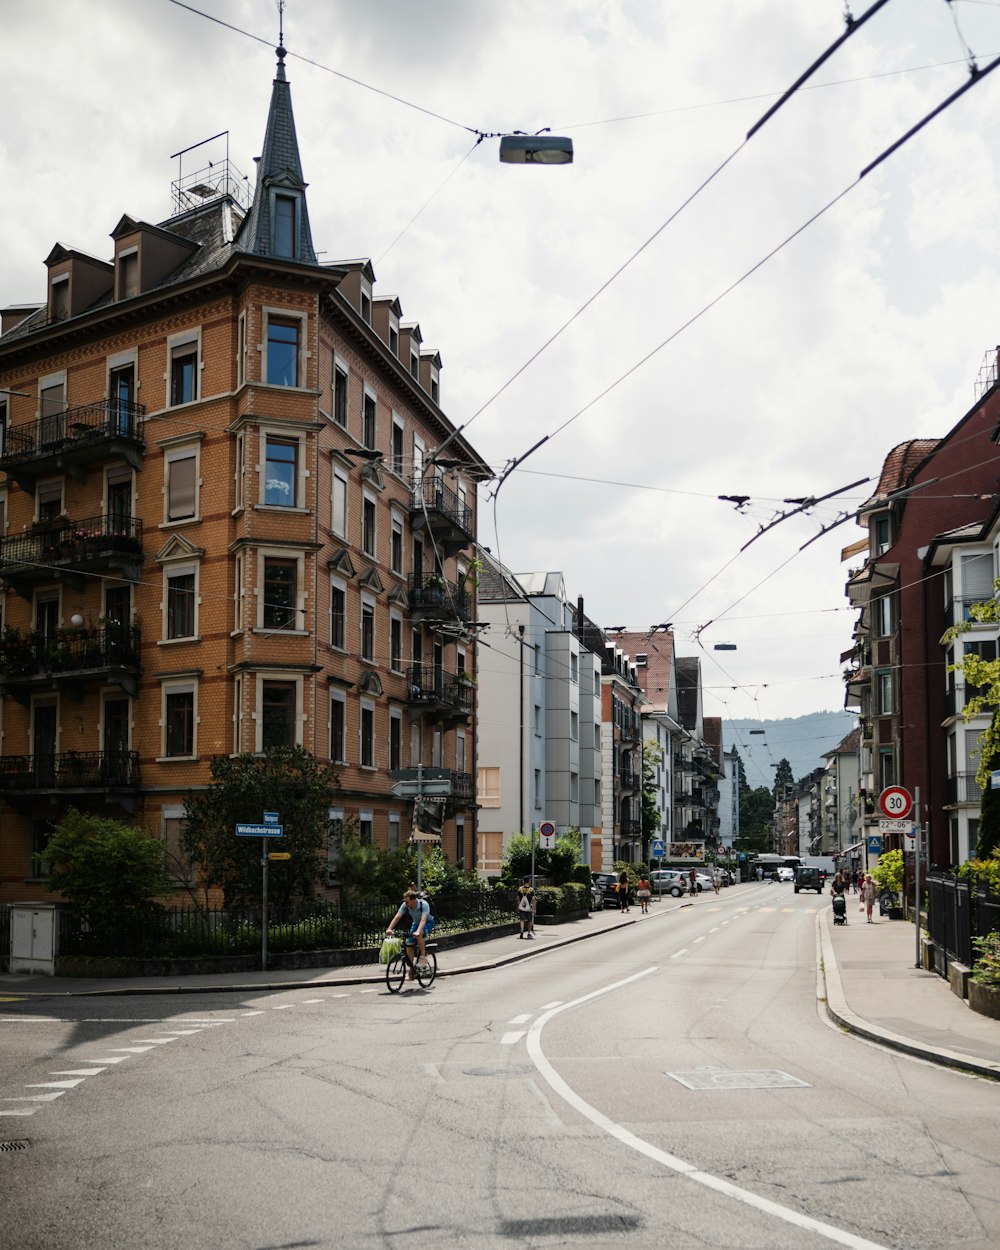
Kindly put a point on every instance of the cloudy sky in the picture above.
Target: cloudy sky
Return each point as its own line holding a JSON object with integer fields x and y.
{"x": 867, "y": 329}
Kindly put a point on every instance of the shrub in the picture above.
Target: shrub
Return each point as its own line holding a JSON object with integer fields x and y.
{"x": 986, "y": 870}
{"x": 888, "y": 872}
{"x": 986, "y": 969}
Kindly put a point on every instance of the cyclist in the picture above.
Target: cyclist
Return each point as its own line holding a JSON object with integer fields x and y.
{"x": 421, "y": 923}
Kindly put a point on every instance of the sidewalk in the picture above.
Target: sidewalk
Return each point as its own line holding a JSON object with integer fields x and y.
{"x": 868, "y": 978}
{"x": 455, "y": 960}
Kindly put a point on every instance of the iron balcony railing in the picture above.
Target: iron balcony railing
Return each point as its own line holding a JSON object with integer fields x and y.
{"x": 629, "y": 778}
{"x": 964, "y": 788}
{"x": 629, "y": 827}
{"x": 432, "y": 595}
{"x": 69, "y": 543}
{"x": 430, "y": 496}
{"x": 432, "y": 686}
{"x": 68, "y": 651}
{"x": 75, "y": 427}
{"x": 69, "y": 770}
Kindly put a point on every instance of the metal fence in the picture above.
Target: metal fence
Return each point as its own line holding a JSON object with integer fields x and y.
{"x": 192, "y": 932}
{"x": 959, "y": 909}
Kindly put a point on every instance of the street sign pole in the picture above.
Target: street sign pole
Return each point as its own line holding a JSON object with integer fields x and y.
{"x": 420, "y": 845}
{"x": 916, "y": 871}
{"x": 532, "y": 855}
{"x": 263, "y": 906}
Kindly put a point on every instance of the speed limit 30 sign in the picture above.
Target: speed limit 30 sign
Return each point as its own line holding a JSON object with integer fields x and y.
{"x": 895, "y": 803}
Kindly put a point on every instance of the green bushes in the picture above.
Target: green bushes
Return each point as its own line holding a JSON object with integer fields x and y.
{"x": 562, "y": 900}
{"x": 986, "y": 969}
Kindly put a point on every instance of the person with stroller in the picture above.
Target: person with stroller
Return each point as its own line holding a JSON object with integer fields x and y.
{"x": 838, "y": 889}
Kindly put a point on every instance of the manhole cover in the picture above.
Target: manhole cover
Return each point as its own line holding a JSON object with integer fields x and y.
{"x": 714, "y": 1078}
{"x": 23, "y": 1144}
{"x": 500, "y": 1069}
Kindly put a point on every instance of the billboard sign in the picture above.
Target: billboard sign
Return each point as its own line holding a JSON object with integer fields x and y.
{"x": 686, "y": 852}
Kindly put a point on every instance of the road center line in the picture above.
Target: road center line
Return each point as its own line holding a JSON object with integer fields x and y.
{"x": 675, "y": 1164}
{"x": 678, "y": 954}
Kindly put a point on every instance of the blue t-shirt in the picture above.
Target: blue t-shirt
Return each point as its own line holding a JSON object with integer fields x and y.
{"x": 420, "y": 908}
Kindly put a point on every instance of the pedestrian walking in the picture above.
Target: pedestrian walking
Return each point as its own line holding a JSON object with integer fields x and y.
{"x": 693, "y": 882}
{"x": 623, "y": 890}
{"x": 716, "y": 878}
{"x": 526, "y": 905}
{"x": 854, "y": 880}
{"x": 643, "y": 894}
{"x": 868, "y": 896}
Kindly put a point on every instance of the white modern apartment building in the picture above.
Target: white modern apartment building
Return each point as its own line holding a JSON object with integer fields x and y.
{"x": 540, "y": 700}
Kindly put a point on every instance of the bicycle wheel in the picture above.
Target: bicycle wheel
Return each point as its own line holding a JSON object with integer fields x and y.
{"x": 425, "y": 976}
{"x": 395, "y": 973}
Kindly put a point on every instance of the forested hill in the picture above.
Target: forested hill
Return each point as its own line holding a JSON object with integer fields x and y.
{"x": 802, "y": 740}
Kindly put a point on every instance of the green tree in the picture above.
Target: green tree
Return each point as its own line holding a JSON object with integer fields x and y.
{"x": 557, "y": 864}
{"x": 756, "y": 817}
{"x": 782, "y": 777}
{"x": 287, "y": 781}
{"x": 983, "y": 677}
{"x": 106, "y": 869}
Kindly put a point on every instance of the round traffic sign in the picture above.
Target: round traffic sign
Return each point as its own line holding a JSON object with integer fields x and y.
{"x": 547, "y": 829}
{"x": 895, "y": 803}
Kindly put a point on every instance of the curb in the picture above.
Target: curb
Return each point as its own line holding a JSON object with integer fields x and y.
{"x": 367, "y": 979}
{"x": 830, "y": 993}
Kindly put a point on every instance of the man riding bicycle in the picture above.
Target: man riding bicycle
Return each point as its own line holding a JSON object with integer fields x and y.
{"x": 421, "y": 923}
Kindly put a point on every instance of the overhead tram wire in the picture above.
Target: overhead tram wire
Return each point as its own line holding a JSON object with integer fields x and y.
{"x": 975, "y": 77}
{"x": 853, "y": 25}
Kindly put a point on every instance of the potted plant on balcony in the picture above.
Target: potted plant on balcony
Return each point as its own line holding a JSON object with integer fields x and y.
{"x": 466, "y": 679}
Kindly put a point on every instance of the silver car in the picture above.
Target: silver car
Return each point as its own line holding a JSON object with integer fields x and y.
{"x": 668, "y": 881}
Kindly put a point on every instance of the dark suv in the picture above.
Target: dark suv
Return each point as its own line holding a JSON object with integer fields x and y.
{"x": 808, "y": 878}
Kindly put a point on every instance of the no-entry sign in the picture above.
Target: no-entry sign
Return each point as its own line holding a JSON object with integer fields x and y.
{"x": 895, "y": 803}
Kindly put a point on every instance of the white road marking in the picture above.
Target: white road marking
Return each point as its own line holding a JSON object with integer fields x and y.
{"x": 33, "y": 1019}
{"x": 697, "y": 940}
{"x": 35, "y": 1097}
{"x": 191, "y": 1032}
{"x": 311, "y": 1000}
{"x": 284, "y": 1007}
{"x": 18, "y": 1110}
{"x": 675, "y": 1164}
{"x": 434, "y": 1073}
{"x": 156, "y": 1041}
{"x": 520, "y": 1019}
{"x": 678, "y": 954}
{"x": 509, "y": 1039}
{"x": 111, "y": 1059}
{"x": 339, "y": 996}
{"x": 79, "y": 1072}
{"x": 371, "y": 991}
{"x": 206, "y": 1023}
{"x": 130, "y": 1050}
{"x": 556, "y": 1003}
{"x": 252, "y": 1013}
{"x": 715, "y": 930}
{"x": 57, "y": 1084}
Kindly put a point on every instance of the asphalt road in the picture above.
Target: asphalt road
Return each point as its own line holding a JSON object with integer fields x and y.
{"x": 668, "y": 1083}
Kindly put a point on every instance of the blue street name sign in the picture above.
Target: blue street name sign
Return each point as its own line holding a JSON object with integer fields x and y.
{"x": 658, "y": 848}
{"x": 260, "y": 831}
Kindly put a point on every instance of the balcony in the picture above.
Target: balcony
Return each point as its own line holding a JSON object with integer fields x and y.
{"x": 439, "y": 695}
{"x": 628, "y": 779}
{"x": 439, "y": 510}
{"x": 629, "y": 827}
{"x": 80, "y": 773}
{"x": 963, "y": 789}
{"x": 71, "y": 659}
{"x": 960, "y": 609}
{"x": 463, "y": 793}
{"x": 66, "y": 550}
{"x": 630, "y": 729}
{"x": 434, "y": 599}
{"x": 71, "y": 441}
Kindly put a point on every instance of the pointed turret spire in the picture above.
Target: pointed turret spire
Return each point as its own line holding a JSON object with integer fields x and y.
{"x": 278, "y": 221}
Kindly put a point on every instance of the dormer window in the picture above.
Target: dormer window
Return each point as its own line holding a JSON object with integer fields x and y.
{"x": 393, "y": 339}
{"x": 882, "y": 536}
{"x": 414, "y": 365}
{"x": 128, "y": 273}
{"x": 435, "y": 386}
{"x": 59, "y": 295}
{"x": 284, "y": 225}
{"x": 366, "y": 306}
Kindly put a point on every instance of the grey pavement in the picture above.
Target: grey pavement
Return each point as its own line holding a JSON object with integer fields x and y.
{"x": 867, "y": 980}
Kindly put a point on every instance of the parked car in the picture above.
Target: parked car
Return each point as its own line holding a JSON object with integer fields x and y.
{"x": 596, "y": 897}
{"x": 703, "y": 881}
{"x": 606, "y": 882}
{"x": 668, "y": 881}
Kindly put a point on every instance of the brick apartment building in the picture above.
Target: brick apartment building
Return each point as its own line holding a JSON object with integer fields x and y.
{"x": 222, "y": 527}
{"x": 933, "y": 495}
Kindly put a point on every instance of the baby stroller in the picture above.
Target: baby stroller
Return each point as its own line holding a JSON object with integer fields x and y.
{"x": 839, "y": 909}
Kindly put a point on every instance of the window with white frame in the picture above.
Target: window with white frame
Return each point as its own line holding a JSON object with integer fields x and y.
{"x": 395, "y": 827}
{"x": 184, "y": 367}
{"x": 239, "y": 591}
{"x": 340, "y": 393}
{"x": 179, "y": 722}
{"x": 398, "y": 442}
{"x": 368, "y": 514}
{"x": 280, "y": 584}
{"x": 338, "y": 503}
{"x": 180, "y": 601}
{"x": 366, "y": 735}
{"x": 488, "y": 787}
{"x": 238, "y": 472}
{"x": 282, "y": 456}
{"x": 284, "y": 348}
{"x": 366, "y": 827}
{"x": 338, "y": 727}
{"x": 886, "y": 699}
{"x": 396, "y": 544}
{"x": 181, "y": 483}
{"x": 368, "y": 419}
{"x": 368, "y": 628}
{"x": 279, "y": 703}
{"x": 338, "y": 613}
{"x": 395, "y": 642}
{"x": 241, "y": 349}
